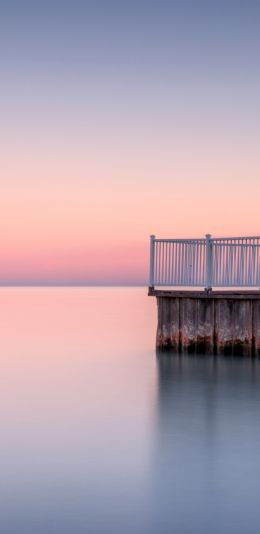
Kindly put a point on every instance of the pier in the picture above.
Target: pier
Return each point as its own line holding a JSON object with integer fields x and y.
{"x": 207, "y": 293}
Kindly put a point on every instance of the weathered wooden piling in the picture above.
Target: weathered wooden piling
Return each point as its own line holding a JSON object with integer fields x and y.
{"x": 209, "y": 322}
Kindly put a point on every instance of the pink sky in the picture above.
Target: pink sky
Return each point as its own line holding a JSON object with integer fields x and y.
{"x": 98, "y": 231}
{"x": 116, "y": 127}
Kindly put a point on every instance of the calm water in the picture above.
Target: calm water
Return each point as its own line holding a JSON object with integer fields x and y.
{"x": 100, "y": 435}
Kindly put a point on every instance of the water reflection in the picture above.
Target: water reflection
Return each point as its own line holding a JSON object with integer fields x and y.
{"x": 206, "y": 468}
{"x": 77, "y": 387}
{"x": 99, "y": 435}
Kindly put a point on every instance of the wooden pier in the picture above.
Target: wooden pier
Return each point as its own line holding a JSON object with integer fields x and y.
{"x": 221, "y": 318}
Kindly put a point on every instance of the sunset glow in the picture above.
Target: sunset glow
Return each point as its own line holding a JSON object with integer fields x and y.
{"x": 118, "y": 123}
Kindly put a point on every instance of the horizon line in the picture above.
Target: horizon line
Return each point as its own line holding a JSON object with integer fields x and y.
{"x": 70, "y": 285}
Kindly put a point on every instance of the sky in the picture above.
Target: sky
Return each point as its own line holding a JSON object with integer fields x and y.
{"x": 120, "y": 120}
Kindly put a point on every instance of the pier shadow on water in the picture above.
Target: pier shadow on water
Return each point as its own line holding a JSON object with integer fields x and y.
{"x": 206, "y": 464}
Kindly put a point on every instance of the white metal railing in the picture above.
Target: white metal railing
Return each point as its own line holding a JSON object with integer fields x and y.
{"x": 209, "y": 262}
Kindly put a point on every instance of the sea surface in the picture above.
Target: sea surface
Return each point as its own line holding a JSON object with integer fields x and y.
{"x": 100, "y": 435}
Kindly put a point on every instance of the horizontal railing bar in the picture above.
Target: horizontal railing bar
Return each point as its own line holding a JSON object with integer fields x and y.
{"x": 213, "y": 240}
{"x": 200, "y": 241}
{"x": 234, "y": 238}
{"x": 213, "y": 285}
{"x": 182, "y": 284}
{"x": 236, "y": 244}
{"x": 203, "y": 243}
{"x": 233, "y": 285}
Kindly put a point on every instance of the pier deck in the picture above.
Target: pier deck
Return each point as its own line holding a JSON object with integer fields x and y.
{"x": 204, "y": 294}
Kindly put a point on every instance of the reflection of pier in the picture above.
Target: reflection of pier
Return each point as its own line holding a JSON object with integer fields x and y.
{"x": 207, "y": 293}
{"x": 206, "y": 443}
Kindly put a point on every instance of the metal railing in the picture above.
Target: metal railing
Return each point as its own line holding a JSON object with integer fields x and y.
{"x": 209, "y": 262}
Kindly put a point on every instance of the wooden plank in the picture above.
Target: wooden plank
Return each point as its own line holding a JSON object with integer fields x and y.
{"x": 241, "y": 294}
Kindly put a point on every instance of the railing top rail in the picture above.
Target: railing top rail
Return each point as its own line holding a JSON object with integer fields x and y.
{"x": 234, "y": 238}
{"x": 158, "y": 240}
{"x": 215, "y": 240}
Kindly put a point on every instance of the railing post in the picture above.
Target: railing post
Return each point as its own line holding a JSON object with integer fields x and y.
{"x": 151, "y": 279}
{"x": 208, "y": 263}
